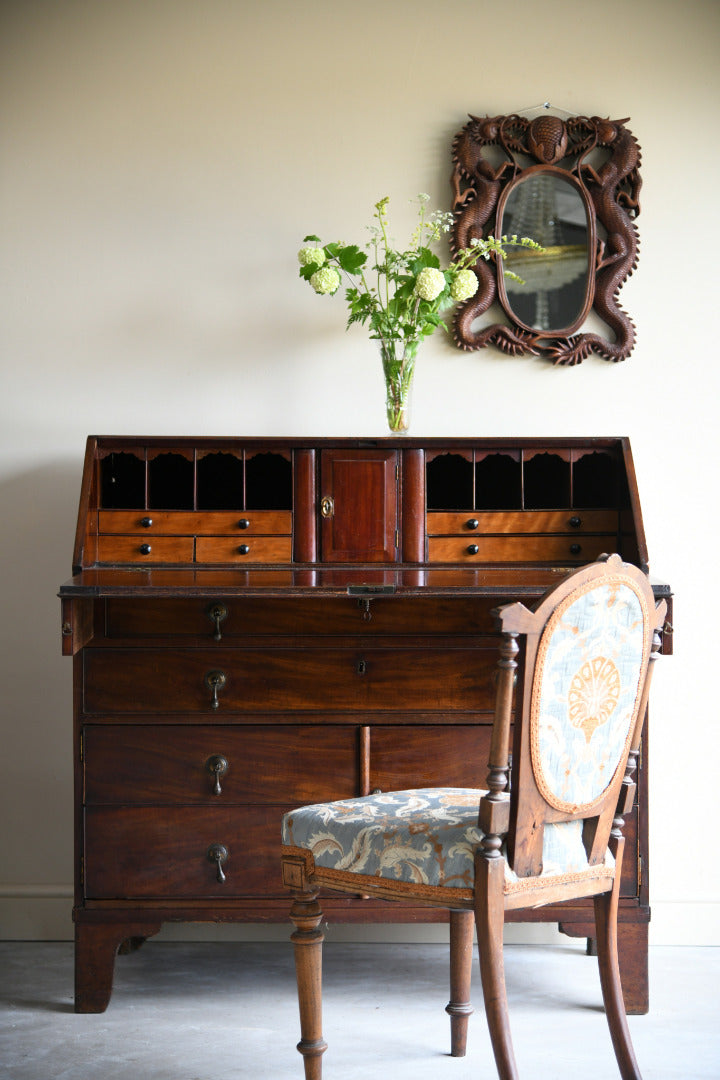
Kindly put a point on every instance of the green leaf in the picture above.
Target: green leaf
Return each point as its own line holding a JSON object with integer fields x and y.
{"x": 351, "y": 259}
{"x": 425, "y": 257}
{"x": 307, "y": 239}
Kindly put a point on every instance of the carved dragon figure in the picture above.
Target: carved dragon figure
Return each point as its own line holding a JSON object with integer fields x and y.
{"x": 613, "y": 191}
{"x": 477, "y": 187}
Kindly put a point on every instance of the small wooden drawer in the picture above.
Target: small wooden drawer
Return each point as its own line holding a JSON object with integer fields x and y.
{"x": 221, "y": 681}
{"x": 519, "y": 549}
{"x": 264, "y": 549}
{"x": 165, "y": 853}
{"x": 429, "y": 756}
{"x": 201, "y": 523}
{"x": 153, "y": 549}
{"x": 224, "y": 765}
{"x": 522, "y": 521}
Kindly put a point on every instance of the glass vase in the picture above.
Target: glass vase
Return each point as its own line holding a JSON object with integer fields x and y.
{"x": 398, "y": 362}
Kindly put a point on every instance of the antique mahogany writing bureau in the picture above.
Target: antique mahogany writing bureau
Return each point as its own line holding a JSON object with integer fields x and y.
{"x": 261, "y": 623}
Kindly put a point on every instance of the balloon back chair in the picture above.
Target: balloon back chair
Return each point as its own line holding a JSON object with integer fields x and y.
{"x": 547, "y": 829}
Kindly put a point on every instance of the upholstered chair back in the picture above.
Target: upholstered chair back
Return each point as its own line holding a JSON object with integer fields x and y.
{"x": 581, "y": 706}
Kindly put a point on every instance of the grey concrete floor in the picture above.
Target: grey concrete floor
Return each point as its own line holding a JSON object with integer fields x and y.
{"x": 214, "y": 1011}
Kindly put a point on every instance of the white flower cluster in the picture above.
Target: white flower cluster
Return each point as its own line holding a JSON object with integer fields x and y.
{"x": 311, "y": 256}
{"x": 325, "y": 280}
{"x": 465, "y": 285}
{"x": 430, "y": 283}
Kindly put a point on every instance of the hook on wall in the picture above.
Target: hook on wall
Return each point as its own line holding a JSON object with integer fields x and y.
{"x": 544, "y": 107}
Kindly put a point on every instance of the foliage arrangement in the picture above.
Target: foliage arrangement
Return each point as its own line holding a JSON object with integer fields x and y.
{"x": 399, "y": 294}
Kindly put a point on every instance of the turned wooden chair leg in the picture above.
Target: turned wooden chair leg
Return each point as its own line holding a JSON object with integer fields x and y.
{"x": 489, "y": 919}
{"x": 606, "y": 907}
{"x": 462, "y": 925}
{"x": 307, "y": 939}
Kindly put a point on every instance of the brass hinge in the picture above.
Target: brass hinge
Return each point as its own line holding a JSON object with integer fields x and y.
{"x": 639, "y": 872}
{"x": 397, "y": 538}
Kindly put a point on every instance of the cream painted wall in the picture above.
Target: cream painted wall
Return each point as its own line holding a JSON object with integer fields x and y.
{"x": 161, "y": 161}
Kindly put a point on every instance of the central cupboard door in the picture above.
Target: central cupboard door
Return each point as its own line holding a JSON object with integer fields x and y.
{"x": 359, "y": 505}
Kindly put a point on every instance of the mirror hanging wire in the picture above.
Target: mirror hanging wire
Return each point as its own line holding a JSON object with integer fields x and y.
{"x": 543, "y": 107}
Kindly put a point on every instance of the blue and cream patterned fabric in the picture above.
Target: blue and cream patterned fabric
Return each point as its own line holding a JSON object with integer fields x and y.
{"x": 425, "y": 836}
{"x": 587, "y": 681}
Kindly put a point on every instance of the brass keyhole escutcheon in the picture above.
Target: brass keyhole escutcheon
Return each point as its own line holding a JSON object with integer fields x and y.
{"x": 327, "y": 506}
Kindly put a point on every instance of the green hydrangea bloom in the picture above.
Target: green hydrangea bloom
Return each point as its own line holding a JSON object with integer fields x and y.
{"x": 430, "y": 283}
{"x": 325, "y": 280}
{"x": 465, "y": 285}
{"x": 311, "y": 256}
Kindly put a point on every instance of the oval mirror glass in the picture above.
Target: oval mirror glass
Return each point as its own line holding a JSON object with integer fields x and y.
{"x": 556, "y": 292}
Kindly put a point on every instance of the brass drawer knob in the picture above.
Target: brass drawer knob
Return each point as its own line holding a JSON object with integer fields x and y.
{"x": 216, "y": 613}
{"x": 218, "y": 854}
{"x": 215, "y": 680}
{"x": 217, "y": 765}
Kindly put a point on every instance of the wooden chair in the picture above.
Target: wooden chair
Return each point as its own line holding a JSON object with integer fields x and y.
{"x": 553, "y": 834}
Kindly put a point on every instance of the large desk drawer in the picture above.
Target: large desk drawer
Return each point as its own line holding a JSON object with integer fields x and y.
{"x": 127, "y": 764}
{"x": 163, "y": 853}
{"x": 252, "y": 617}
{"x": 246, "y": 680}
{"x": 151, "y": 853}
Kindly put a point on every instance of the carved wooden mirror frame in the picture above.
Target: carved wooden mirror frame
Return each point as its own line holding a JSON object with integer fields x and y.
{"x": 599, "y": 160}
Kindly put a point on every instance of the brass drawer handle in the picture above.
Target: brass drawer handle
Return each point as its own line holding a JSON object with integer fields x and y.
{"x": 215, "y": 680}
{"x": 217, "y": 766}
{"x": 216, "y": 613}
{"x": 218, "y": 854}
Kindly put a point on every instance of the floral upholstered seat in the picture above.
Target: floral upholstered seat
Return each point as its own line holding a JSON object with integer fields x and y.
{"x": 425, "y": 837}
